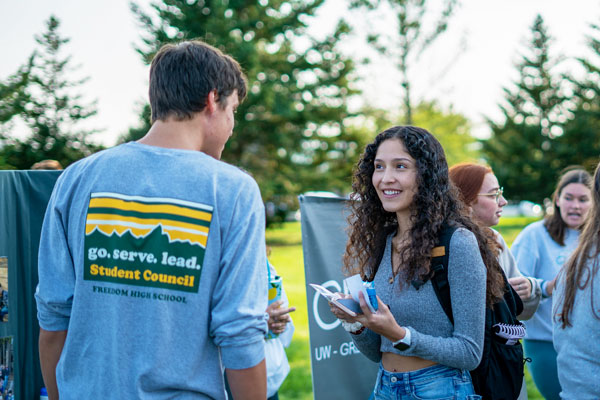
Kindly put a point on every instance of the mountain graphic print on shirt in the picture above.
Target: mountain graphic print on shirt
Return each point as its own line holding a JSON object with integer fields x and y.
{"x": 146, "y": 241}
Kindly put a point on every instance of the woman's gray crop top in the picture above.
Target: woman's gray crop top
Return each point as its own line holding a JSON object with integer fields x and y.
{"x": 433, "y": 337}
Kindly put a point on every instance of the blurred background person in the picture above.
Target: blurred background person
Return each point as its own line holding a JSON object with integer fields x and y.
{"x": 576, "y": 310}
{"x": 279, "y": 336}
{"x": 281, "y": 330}
{"x": 47, "y": 164}
{"x": 540, "y": 250}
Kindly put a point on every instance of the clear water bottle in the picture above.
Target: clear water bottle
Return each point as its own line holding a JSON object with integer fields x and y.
{"x": 43, "y": 394}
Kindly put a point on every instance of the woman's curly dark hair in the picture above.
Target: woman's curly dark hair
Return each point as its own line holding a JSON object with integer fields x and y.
{"x": 435, "y": 203}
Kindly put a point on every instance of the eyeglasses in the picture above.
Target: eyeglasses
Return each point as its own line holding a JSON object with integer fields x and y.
{"x": 496, "y": 194}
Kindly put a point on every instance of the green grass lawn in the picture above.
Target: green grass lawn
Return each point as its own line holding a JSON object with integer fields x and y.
{"x": 285, "y": 242}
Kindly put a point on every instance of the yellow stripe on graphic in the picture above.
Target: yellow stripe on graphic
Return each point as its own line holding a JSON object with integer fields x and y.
{"x": 150, "y": 208}
{"x": 166, "y": 223}
{"x": 179, "y": 235}
{"x": 173, "y": 234}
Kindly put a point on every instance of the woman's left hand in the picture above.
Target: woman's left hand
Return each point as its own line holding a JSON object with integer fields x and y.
{"x": 382, "y": 321}
{"x": 522, "y": 286}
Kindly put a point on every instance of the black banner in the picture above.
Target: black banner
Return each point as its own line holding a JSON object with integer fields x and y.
{"x": 25, "y": 195}
{"x": 339, "y": 370}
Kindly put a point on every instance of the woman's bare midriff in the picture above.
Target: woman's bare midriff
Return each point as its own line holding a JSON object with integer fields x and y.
{"x": 396, "y": 363}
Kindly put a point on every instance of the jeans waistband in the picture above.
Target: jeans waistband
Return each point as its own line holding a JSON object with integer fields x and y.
{"x": 435, "y": 382}
{"x": 424, "y": 374}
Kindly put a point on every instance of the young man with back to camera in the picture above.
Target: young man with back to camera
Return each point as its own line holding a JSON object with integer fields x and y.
{"x": 152, "y": 253}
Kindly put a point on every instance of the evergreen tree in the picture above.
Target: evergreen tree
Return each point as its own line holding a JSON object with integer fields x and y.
{"x": 523, "y": 149}
{"x": 49, "y": 108}
{"x": 453, "y": 130}
{"x": 289, "y": 131}
{"x": 580, "y": 143}
{"x": 414, "y": 33}
{"x": 13, "y": 96}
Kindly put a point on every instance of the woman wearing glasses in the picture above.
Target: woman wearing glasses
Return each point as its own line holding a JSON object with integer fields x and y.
{"x": 540, "y": 250}
{"x": 480, "y": 191}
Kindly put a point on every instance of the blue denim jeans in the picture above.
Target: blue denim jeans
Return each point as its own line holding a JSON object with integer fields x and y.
{"x": 436, "y": 382}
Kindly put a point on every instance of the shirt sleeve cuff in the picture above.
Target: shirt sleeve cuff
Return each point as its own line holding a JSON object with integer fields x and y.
{"x": 53, "y": 324}
{"x": 242, "y": 357}
{"x": 53, "y": 317}
{"x": 544, "y": 286}
{"x": 535, "y": 288}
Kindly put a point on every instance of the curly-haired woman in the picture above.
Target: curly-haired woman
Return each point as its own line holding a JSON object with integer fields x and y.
{"x": 403, "y": 200}
{"x": 540, "y": 250}
{"x": 576, "y": 309}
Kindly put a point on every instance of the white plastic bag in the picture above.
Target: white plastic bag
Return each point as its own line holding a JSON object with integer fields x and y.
{"x": 277, "y": 365}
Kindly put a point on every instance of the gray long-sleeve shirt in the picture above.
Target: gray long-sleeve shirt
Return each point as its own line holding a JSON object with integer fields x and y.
{"x": 154, "y": 261}
{"x": 433, "y": 337}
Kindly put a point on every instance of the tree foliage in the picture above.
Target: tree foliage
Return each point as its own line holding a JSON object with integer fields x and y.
{"x": 523, "y": 149}
{"x": 580, "y": 143}
{"x": 418, "y": 26}
{"x": 13, "y": 96}
{"x": 42, "y": 96}
{"x": 452, "y": 129}
{"x": 289, "y": 131}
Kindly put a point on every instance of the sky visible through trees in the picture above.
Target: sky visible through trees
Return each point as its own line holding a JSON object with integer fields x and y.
{"x": 103, "y": 35}
{"x": 322, "y": 83}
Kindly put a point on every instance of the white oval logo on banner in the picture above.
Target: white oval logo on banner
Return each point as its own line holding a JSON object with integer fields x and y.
{"x": 323, "y": 325}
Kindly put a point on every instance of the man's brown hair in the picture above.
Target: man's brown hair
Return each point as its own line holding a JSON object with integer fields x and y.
{"x": 182, "y": 75}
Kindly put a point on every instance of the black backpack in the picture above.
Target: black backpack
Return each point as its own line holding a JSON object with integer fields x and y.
{"x": 499, "y": 375}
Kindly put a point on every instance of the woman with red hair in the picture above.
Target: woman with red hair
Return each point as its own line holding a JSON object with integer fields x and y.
{"x": 481, "y": 193}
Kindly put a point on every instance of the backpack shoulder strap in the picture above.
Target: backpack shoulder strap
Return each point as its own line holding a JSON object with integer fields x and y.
{"x": 439, "y": 269}
{"x": 518, "y": 302}
{"x": 512, "y": 299}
